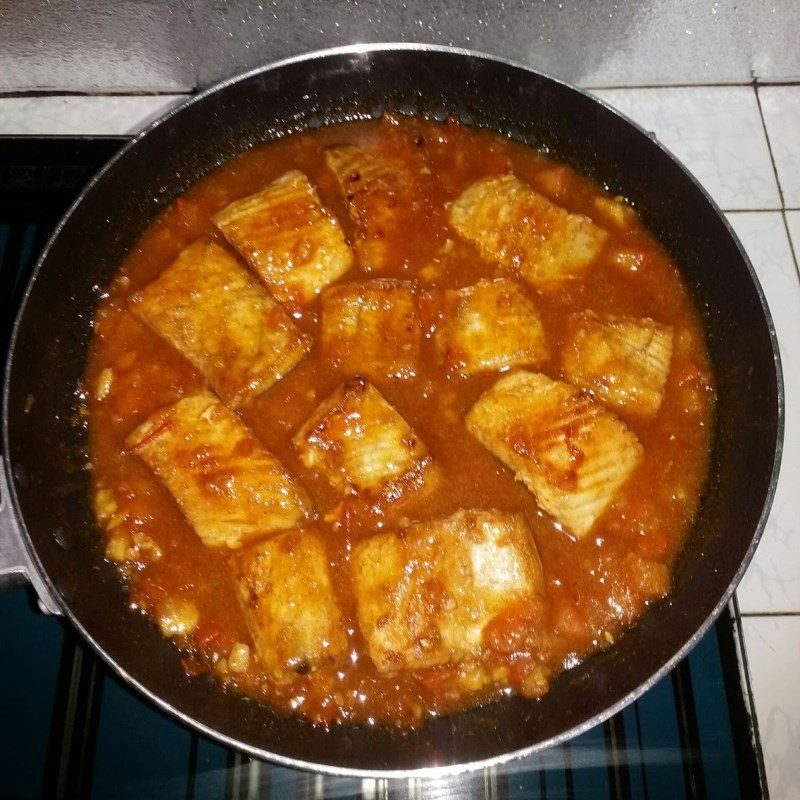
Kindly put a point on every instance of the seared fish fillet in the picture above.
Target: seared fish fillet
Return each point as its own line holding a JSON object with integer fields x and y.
{"x": 567, "y": 449}
{"x": 376, "y": 190}
{"x": 521, "y": 230}
{"x": 228, "y": 485}
{"x": 424, "y": 596}
{"x": 623, "y": 360}
{"x": 285, "y": 590}
{"x": 206, "y": 305}
{"x": 362, "y": 445}
{"x": 489, "y": 326}
{"x": 372, "y": 327}
{"x": 288, "y": 238}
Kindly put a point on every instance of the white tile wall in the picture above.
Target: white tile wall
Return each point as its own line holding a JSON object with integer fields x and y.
{"x": 715, "y": 131}
{"x": 773, "y": 650}
{"x": 81, "y": 115}
{"x": 793, "y": 221}
{"x": 772, "y": 584}
{"x": 719, "y": 134}
{"x": 781, "y": 106}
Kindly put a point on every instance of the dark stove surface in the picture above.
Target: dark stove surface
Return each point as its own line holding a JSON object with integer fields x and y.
{"x": 73, "y": 730}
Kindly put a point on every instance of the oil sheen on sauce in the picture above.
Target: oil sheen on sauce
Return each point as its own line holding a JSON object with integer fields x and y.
{"x": 595, "y": 587}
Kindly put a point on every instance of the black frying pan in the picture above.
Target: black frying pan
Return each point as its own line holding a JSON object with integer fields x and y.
{"x": 46, "y": 526}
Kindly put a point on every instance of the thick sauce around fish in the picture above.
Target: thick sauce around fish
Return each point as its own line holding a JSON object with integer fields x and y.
{"x": 594, "y": 585}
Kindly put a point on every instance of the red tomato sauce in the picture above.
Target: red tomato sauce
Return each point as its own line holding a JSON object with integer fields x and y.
{"x": 594, "y": 588}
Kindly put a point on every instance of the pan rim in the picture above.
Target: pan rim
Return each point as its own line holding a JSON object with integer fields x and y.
{"x": 438, "y": 771}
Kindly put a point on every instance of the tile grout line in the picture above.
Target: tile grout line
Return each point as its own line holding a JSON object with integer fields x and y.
{"x": 39, "y": 94}
{"x": 187, "y": 92}
{"x": 758, "y": 210}
{"x": 769, "y": 144}
{"x": 744, "y": 673}
{"x": 791, "y": 244}
{"x": 731, "y": 85}
{"x": 767, "y": 614}
{"x": 190, "y": 90}
{"x": 777, "y": 180}
{"x": 782, "y": 210}
{"x": 772, "y": 615}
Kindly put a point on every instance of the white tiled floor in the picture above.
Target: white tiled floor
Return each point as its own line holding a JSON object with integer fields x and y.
{"x": 793, "y": 221}
{"x": 715, "y": 131}
{"x": 719, "y": 135}
{"x": 81, "y": 116}
{"x": 773, "y": 645}
{"x": 772, "y": 584}
{"x": 781, "y": 106}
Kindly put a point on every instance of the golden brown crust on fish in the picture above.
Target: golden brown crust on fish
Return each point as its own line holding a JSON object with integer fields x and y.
{"x": 378, "y": 192}
{"x": 372, "y": 327}
{"x": 567, "y": 449}
{"x": 295, "y": 245}
{"x": 227, "y": 484}
{"x": 426, "y": 595}
{"x": 489, "y": 326}
{"x": 522, "y": 231}
{"x": 624, "y": 361}
{"x": 285, "y": 590}
{"x": 364, "y": 447}
{"x": 207, "y": 306}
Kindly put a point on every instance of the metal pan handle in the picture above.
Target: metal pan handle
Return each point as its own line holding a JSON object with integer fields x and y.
{"x": 16, "y": 566}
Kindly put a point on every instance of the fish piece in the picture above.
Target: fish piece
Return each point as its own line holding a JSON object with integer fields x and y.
{"x": 491, "y": 325}
{"x": 378, "y": 192}
{"x": 206, "y": 305}
{"x": 362, "y": 445}
{"x": 624, "y": 361}
{"x": 295, "y": 245}
{"x": 284, "y": 587}
{"x": 522, "y": 231}
{"x": 372, "y": 328}
{"x": 567, "y": 449}
{"x": 425, "y": 595}
{"x": 227, "y": 484}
